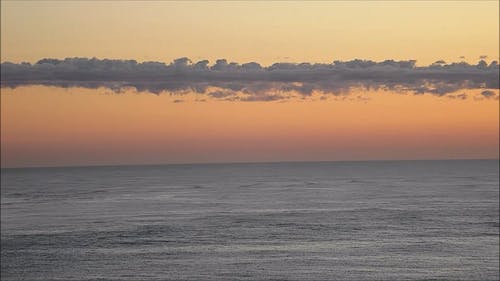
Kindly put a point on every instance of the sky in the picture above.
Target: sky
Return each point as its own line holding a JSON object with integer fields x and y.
{"x": 284, "y": 81}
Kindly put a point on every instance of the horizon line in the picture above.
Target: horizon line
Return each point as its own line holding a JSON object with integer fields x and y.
{"x": 243, "y": 163}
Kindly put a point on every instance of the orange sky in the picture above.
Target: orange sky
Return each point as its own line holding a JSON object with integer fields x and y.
{"x": 49, "y": 126}
{"x": 53, "y": 126}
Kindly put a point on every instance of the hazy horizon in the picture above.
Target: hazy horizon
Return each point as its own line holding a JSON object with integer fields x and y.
{"x": 254, "y": 162}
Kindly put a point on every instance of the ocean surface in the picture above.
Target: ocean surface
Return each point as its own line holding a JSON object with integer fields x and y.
{"x": 389, "y": 220}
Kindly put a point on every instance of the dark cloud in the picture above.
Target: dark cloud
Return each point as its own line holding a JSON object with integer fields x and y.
{"x": 488, "y": 94}
{"x": 219, "y": 94}
{"x": 462, "y": 96}
{"x": 250, "y": 81}
{"x": 440, "y": 62}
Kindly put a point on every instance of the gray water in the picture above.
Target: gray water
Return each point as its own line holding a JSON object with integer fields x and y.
{"x": 401, "y": 220}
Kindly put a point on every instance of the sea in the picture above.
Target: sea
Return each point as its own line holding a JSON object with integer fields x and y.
{"x": 373, "y": 220}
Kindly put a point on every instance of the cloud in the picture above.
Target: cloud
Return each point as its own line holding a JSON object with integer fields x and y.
{"x": 220, "y": 94}
{"x": 462, "y": 96}
{"x": 439, "y": 62}
{"x": 250, "y": 81}
{"x": 488, "y": 94}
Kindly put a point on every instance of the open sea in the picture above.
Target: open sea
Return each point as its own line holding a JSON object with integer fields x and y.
{"x": 381, "y": 220}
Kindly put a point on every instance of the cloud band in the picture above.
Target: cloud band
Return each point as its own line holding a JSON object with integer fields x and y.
{"x": 251, "y": 81}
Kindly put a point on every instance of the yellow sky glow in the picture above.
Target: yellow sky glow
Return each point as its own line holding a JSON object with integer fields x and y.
{"x": 251, "y": 31}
